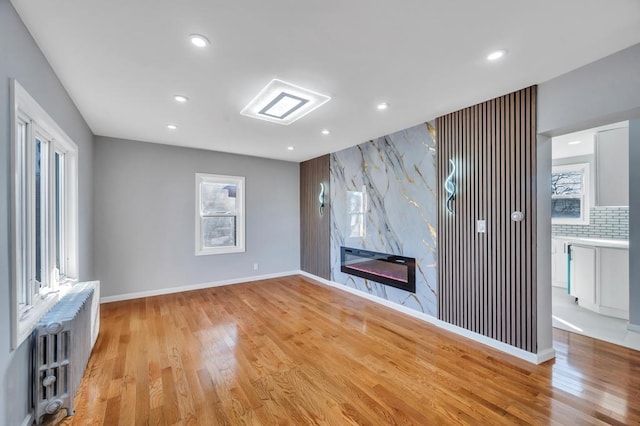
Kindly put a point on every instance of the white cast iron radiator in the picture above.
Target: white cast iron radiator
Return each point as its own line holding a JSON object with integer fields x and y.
{"x": 62, "y": 343}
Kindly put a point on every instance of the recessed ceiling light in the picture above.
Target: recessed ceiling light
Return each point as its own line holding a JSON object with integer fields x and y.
{"x": 382, "y": 106}
{"x": 290, "y": 148}
{"x": 326, "y": 131}
{"x": 172, "y": 126}
{"x": 494, "y": 56}
{"x": 574, "y": 142}
{"x": 180, "y": 98}
{"x": 283, "y": 103}
{"x": 199, "y": 40}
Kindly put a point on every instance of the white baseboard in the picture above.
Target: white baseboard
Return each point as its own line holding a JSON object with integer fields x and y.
{"x": 633, "y": 327}
{"x": 613, "y": 312}
{"x": 544, "y": 355}
{"x": 537, "y": 358}
{"x": 170, "y": 290}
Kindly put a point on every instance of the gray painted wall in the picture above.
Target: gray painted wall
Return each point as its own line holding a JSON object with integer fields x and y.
{"x": 634, "y": 223}
{"x": 605, "y": 91}
{"x": 543, "y": 243}
{"x": 21, "y": 59}
{"x": 145, "y": 217}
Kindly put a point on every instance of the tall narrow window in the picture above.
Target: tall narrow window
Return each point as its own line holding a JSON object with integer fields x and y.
{"x": 44, "y": 212}
{"x": 20, "y": 226}
{"x": 59, "y": 216}
{"x": 356, "y": 209}
{"x": 219, "y": 214}
{"x": 40, "y": 218}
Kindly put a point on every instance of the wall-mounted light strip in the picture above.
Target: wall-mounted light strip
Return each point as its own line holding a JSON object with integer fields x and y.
{"x": 450, "y": 186}
{"x": 321, "y": 198}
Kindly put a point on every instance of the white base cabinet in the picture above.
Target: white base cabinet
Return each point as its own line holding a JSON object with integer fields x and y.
{"x": 614, "y": 283}
{"x": 599, "y": 278}
{"x": 559, "y": 263}
{"x": 583, "y": 275}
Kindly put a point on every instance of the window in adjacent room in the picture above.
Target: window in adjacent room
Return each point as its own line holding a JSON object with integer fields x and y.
{"x": 356, "y": 208}
{"x": 570, "y": 194}
{"x": 44, "y": 212}
{"x": 219, "y": 214}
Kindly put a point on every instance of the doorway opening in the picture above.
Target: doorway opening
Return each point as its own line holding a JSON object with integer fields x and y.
{"x": 590, "y": 233}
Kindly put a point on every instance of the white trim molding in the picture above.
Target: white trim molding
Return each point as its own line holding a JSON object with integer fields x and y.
{"x": 180, "y": 289}
{"x": 633, "y": 327}
{"x": 534, "y": 358}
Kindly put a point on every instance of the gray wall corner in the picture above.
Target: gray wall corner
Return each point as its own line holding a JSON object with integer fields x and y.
{"x": 634, "y": 223}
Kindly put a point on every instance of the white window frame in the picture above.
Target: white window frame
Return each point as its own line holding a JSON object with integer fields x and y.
{"x": 585, "y": 199}
{"x": 240, "y": 214}
{"x": 361, "y": 214}
{"x": 39, "y": 297}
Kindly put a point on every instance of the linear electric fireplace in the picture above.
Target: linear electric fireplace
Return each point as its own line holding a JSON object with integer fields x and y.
{"x": 389, "y": 269}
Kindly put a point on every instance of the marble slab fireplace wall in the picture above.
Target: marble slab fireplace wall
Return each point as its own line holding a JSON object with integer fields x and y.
{"x": 383, "y": 199}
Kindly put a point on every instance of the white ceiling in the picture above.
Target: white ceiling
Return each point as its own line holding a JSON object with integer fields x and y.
{"x": 122, "y": 62}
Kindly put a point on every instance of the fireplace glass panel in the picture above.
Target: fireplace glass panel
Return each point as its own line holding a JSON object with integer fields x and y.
{"x": 389, "y": 269}
{"x": 394, "y": 271}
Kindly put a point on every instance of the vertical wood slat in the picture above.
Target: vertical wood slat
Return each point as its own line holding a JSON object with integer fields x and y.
{"x": 487, "y": 282}
{"x": 491, "y": 215}
{"x": 315, "y": 230}
{"x": 463, "y": 232}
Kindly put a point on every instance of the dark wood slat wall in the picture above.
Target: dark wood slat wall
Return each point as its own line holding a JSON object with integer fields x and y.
{"x": 315, "y": 231}
{"x": 487, "y": 282}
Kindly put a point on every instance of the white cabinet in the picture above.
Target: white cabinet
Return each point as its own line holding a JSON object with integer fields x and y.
{"x": 559, "y": 263}
{"x": 583, "y": 275}
{"x": 612, "y": 158}
{"x": 614, "y": 283}
{"x": 599, "y": 279}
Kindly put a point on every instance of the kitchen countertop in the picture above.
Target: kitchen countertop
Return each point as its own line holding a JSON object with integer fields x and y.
{"x": 596, "y": 242}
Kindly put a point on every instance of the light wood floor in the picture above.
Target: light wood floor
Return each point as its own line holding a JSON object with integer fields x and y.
{"x": 286, "y": 351}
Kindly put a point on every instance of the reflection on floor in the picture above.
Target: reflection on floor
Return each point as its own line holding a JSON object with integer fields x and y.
{"x": 571, "y": 317}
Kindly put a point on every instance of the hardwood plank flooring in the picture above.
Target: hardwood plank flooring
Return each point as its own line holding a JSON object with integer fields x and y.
{"x": 289, "y": 352}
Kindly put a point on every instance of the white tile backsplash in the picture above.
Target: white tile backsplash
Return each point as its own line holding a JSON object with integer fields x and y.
{"x": 604, "y": 222}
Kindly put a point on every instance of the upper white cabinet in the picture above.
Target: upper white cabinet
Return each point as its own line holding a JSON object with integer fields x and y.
{"x": 606, "y": 151}
{"x": 612, "y": 159}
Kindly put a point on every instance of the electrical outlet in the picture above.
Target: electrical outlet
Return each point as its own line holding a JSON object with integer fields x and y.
{"x": 482, "y": 226}
{"x": 255, "y": 266}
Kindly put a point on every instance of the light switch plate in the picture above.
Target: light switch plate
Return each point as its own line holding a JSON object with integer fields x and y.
{"x": 482, "y": 226}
